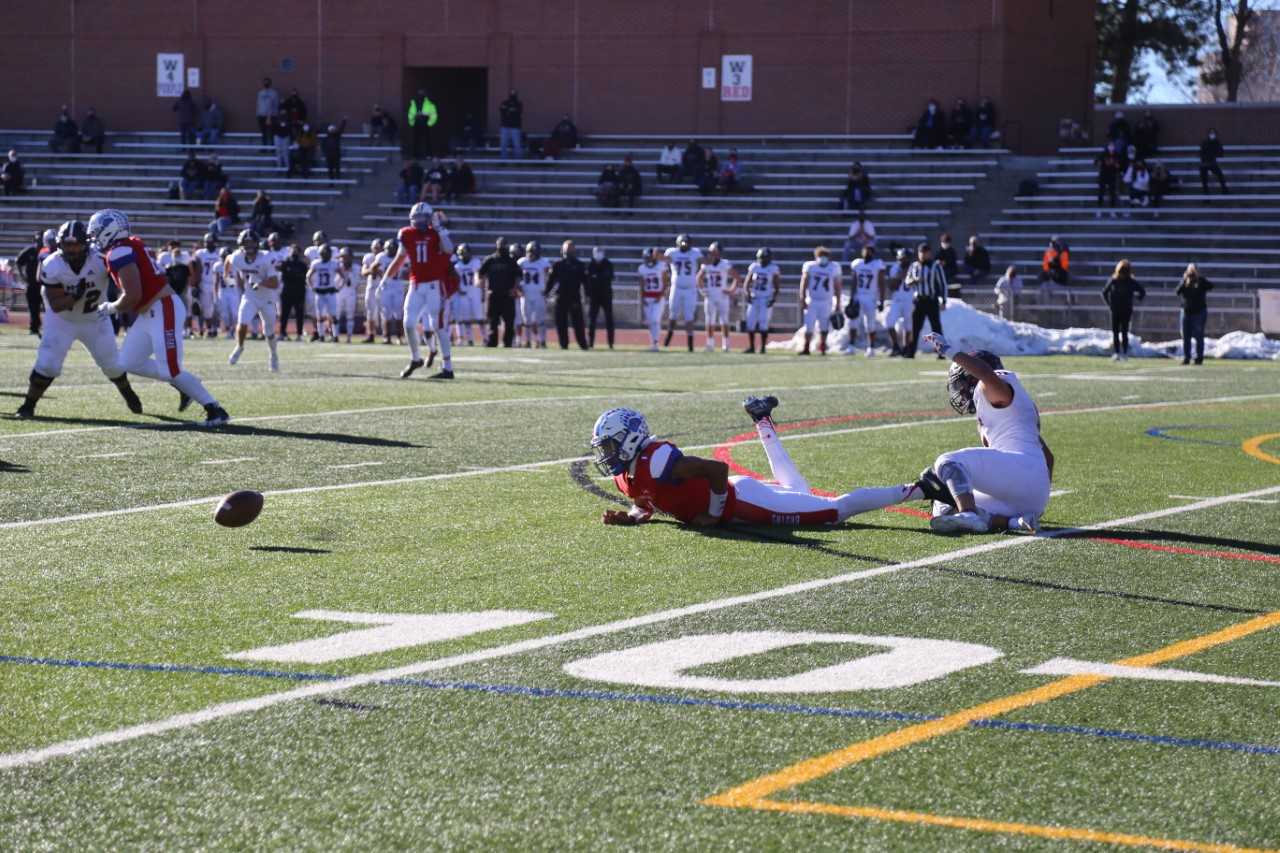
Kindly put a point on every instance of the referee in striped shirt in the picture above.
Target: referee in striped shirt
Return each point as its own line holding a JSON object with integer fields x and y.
{"x": 929, "y": 281}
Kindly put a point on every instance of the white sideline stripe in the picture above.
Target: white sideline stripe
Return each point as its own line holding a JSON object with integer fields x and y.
{"x": 229, "y": 461}
{"x": 230, "y": 709}
{"x": 528, "y": 466}
{"x": 358, "y": 465}
{"x": 106, "y": 455}
{"x": 1194, "y": 498}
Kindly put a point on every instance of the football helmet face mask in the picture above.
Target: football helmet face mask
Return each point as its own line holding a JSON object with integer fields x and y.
{"x": 682, "y": 242}
{"x": 463, "y": 252}
{"x": 107, "y": 227}
{"x": 390, "y": 246}
{"x": 764, "y": 257}
{"x": 533, "y": 250}
{"x": 420, "y": 215}
{"x": 73, "y": 243}
{"x": 617, "y": 438}
{"x": 649, "y": 256}
{"x": 961, "y": 385}
{"x": 211, "y": 242}
{"x": 319, "y": 238}
{"x": 248, "y": 241}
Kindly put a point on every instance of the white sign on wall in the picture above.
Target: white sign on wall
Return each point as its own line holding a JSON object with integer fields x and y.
{"x": 735, "y": 78}
{"x": 708, "y": 78}
{"x": 169, "y": 75}
{"x": 193, "y": 78}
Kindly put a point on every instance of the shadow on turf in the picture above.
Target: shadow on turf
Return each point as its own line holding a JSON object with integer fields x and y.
{"x": 1188, "y": 539}
{"x": 337, "y": 437}
{"x": 10, "y": 468}
{"x": 285, "y": 549}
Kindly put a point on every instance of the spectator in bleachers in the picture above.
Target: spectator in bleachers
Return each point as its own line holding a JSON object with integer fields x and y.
{"x": 382, "y": 127}
{"x": 930, "y": 132}
{"x": 1161, "y": 181}
{"x": 511, "y": 123}
{"x": 192, "y": 177}
{"x": 1108, "y": 171}
{"x": 691, "y": 161}
{"x": 66, "y": 134}
{"x": 1054, "y": 265}
{"x": 629, "y": 181}
{"x": 959, "y": 125}
{"x": 607, "y": 186}
{"x": 459, "y": 180}
{"x": 303, "y": 151}
{"x": 12, "y": 174}
{"x": 261, "y": 218}
{"x": 432, "y": 182}
{"x": 1126, "y": 158}
{"x": 949, "y": 260}
{"x": 984, "y": 124}
{"x": 730, "y": 173}
{"x": 861, "y": 233}
{"x": 563, "y": 136}
{"x": 1146, "y": 135}
{"x": 1120, "y": 292}
{"x": 857, "y": 189}
{"x": 709, "y": 175}
{"x": 1195, "y": 311}
{"x": 1008, "y": 291}
{"x": 1119, "y": 131}
{"x": 294, "y": 108}
{"x": 266, "y": 108}
{"x": 668, "y": 164}
{"x": 410, "y": 182}
{"x": 599, "y": 287}
{"x": 210, "y": 123}
{"x": 422, "y": 116}
{"x": 93, "y": 133}
{"x": 1138, "y": 179}
{"x": 282, "y": 135}
{"x": 470, "y": 135}
{"x": 977, "y": 260}
{"x": 331, "y": 146}
{"x": 226, "y": 213}
{"x": 1210, "y": 151}
{"x": 214, "y": 178}
{"x": 187, "y": 118}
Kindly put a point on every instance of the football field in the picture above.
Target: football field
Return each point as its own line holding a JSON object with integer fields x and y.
{"x": 429, "y": 641}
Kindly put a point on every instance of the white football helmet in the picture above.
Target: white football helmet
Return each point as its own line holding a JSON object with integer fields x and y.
{"x": 617, "y": 438}
{"x": 420, "y": 215}
{"x": 106, "y": 227}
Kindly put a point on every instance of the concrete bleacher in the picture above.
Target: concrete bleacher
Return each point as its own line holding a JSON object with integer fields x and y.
{"x": 136, "y": 171}
{"x": 1227, "y": 236}
{"x": 790, "y": 202}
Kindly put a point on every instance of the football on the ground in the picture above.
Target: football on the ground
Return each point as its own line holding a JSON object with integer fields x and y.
{"x": 238, "y": 508}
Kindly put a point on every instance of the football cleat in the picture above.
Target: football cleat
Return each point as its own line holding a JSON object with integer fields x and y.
{"x": 1024, "y": 524}
{"x": 933, "y": 488}
{"x": 431, "y": 357}
{"x": 131, "y": 400}
{"x": 413, "y": 365}
{"x": 235, "y": 355}
{"x": 760, "y": 407}
{"x": 25, "y": 412}
{"x": 275, "y": 363}
{"x": 215, "y": 415}
{"x": 184, "y": 401}
{"x": 444, "y": 374}
{"x": 960, "y": 522}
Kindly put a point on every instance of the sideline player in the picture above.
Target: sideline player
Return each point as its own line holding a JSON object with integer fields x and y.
{"x": 312, "y": 254}
{"x": 655, "y": 279}
{"x": 468, "y": 302}
{"x": 391, "y": 292}
{"x": 761, "y": 287}
{"x": 820, "y": 292}
{"x": 1003, "y": 485}
{"x": 73, "y": 279}
{"x": 425, "y": 244}
{"x": 901, "y": 296}
{"x": 153, "y": 345}
{"x": 868, "y": 289}
{"x": 348, "y": 283}
{"x": 684, "y": 261}
{"x": 204, "y": 292}
{"x": 658, "y": 477}
{"x": 533, "y": 294}
{"x": 717, "y": 298}
{"x": 372, "y": 298}
{"x": 228, "y": 294}
{"x": 324, "y": 276}
{"x": 256, "y": 278}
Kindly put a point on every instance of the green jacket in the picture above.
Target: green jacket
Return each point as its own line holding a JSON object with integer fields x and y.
{"x": 427, "y": 111}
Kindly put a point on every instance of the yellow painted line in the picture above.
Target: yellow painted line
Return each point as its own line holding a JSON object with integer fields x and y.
{"x": 754, "y": 794}
{"x": 1059, "y": 833}
{"x": 1254, "y": 447}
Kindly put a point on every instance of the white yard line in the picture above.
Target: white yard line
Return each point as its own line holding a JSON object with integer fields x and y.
{"x": 230, "y": 709}
{"x": 358, "y": 465}
{"x": 229, "y": 461}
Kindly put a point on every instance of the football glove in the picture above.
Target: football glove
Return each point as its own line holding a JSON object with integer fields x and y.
{"x": 106, "y": 309}
{"x": 944, "y": 349}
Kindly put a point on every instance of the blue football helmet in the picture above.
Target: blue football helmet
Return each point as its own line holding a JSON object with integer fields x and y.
{"x": 106, "y": 227}
{"x": 618, "y": 437}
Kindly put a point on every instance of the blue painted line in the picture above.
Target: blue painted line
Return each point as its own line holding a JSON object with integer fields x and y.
{"x": 1159, "y": 432}
{"x": 683, "y": 701}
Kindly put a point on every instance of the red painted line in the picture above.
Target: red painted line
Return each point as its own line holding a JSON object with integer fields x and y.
{"x": 1148, "y": 546}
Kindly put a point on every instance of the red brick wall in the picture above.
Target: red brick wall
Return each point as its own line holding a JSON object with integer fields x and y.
{"x": 823, "y": 66}
{"x": 1187, "y": 124}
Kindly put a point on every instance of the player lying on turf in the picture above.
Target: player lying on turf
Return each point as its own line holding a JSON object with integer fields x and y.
{"x": 659, "y": 478}
{"x": 1003, "y": 485}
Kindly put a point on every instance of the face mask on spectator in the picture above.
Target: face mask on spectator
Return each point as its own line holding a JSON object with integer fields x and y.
{"x": 598, "y": 255}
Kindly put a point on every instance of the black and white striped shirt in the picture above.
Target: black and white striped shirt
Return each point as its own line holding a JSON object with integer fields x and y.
{"x": 929, "y": 281}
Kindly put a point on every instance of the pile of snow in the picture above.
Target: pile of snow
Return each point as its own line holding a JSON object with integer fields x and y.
{"x": 967, "y": 327}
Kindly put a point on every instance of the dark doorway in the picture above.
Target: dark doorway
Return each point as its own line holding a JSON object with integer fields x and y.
{"x": 456, "y": 92}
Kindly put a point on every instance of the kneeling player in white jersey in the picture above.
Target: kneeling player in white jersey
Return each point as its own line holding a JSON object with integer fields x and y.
{"x": 684, "y": 261}
{"x": 868, "y": 289}
{"x": 718, "y": 283}
{"x": 324, "y": 277}
{"x": 1003, "y": 485}
{"x": 256, "y": 278}
{"x": 655, "y": 278}
{"x": 820, "y": 293}
{"x": 73, "y": 279}
{"x": 901, "y": 302}
{"x": 761, "y": 287}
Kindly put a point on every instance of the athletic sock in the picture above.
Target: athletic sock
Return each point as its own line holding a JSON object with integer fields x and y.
{"x": 190, "y": 385}
{"x": 865, "y": 500}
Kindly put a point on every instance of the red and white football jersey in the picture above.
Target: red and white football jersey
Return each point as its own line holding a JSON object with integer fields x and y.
{"x": 131, "y": 250}
{"x": 649, "y": 485}
{"x": 427, "y": 262}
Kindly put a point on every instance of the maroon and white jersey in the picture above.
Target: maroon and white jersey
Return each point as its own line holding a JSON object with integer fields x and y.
{"x": 56, "y": 272}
